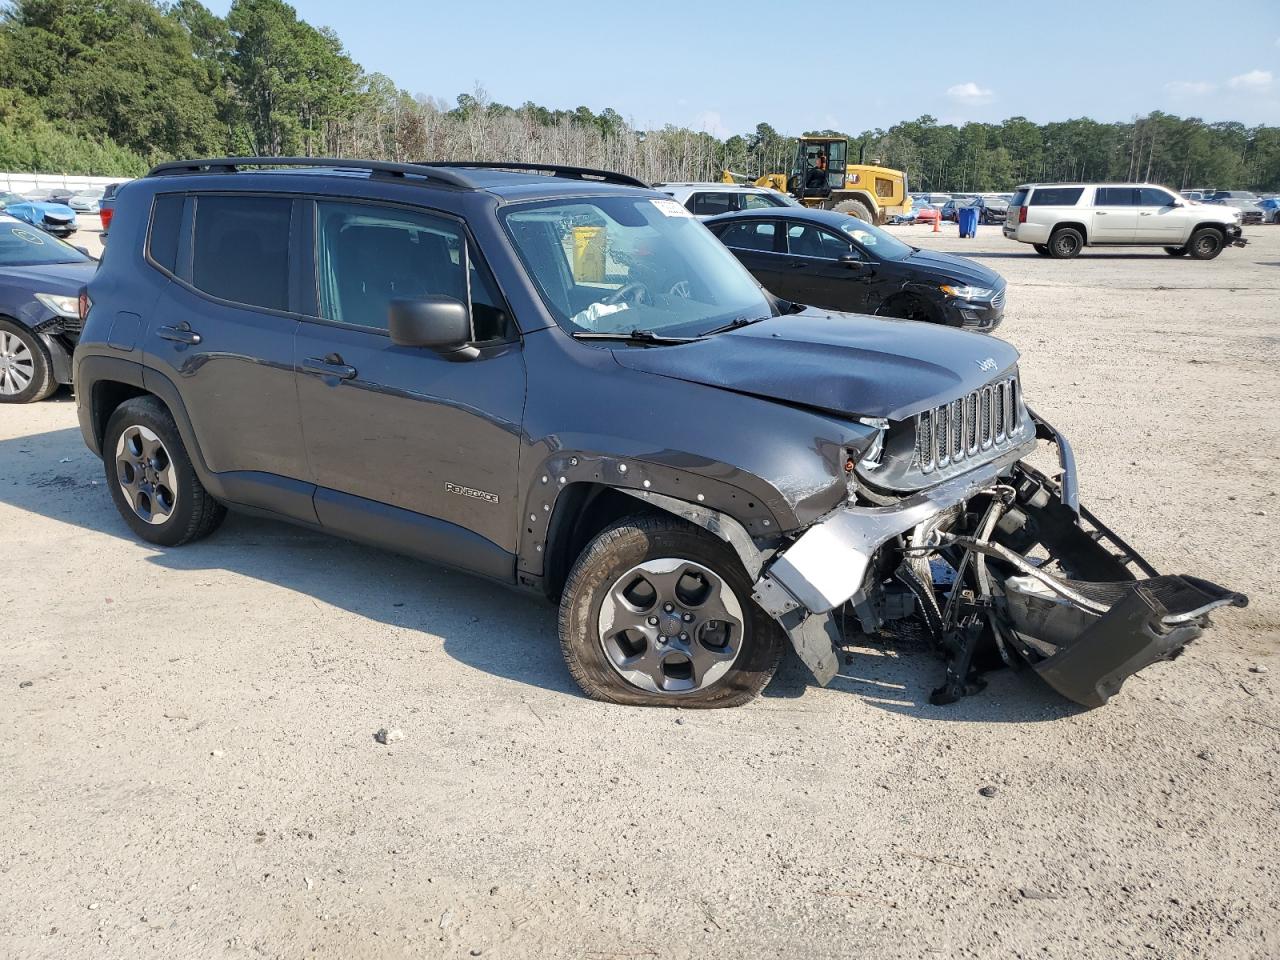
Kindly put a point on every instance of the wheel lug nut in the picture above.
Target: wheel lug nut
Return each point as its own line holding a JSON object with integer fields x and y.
{"x": 653, "y": 621}
{"x": 688, "y": 618}
{"x": 668, "y": 607}
{"x": 684, "y": 637}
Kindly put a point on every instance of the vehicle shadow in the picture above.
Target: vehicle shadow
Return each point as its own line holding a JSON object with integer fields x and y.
{"x": 492, "y": 628}
{"x": 1083, "y": 255}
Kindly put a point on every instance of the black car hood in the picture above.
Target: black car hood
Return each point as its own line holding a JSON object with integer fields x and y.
{"x": 843, "y": 363}
{"x": 951, "y": 267}
{"x": 64, "y": 279}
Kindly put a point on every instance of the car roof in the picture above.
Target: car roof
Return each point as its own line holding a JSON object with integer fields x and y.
{"x": 514, "y": 182}
{"x": 830, "y": 218}
{"x": 711, "y": 185}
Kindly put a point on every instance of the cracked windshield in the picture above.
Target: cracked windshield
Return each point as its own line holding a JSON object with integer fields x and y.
{"x": 623, "y": 264}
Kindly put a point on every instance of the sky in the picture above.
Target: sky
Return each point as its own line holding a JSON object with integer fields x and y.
{"x": 724, "y": 67}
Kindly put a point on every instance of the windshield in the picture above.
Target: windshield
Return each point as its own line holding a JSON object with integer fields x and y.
{"x": 618, "y": 264}
{"x": 882, "y": 244}
{"x": 24, "y": 246}
{"x": 7, "y": 199}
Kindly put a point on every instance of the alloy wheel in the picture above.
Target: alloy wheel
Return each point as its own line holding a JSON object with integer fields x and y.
{"x": 146, "y": 474}
{"x": 671, "y": 626}
{"x": 17, "y": 364}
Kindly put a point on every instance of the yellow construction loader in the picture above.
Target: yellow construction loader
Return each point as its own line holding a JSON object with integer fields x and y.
{"x": 821, "y": 176}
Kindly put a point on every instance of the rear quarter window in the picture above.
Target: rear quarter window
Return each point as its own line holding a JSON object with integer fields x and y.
{"x": 162, "y": 237}
{"x": 1055, "y": 196}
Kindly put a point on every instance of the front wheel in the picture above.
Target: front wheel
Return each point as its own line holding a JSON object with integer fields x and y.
{"x": 1205, "y": 244}
{"x": 855, "y": 208}
{"x": 658, "y": 612}
{"x": 1176, "y": 251}
{"x": 26, "y": 371}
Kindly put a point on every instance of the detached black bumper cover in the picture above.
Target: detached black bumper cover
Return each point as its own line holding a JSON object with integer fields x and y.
{"x": 1148, "y": 620}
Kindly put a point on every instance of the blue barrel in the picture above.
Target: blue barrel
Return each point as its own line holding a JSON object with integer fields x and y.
{"x": 968, "y": 220}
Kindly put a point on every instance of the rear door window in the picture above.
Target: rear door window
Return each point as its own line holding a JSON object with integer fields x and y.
{"x": 1115, "y": 197}
{"x": 751, "y": 235}
{"x": 1055, "y": 196}
{"x": 241, "y": 249}
{"x": 710, "y": 204}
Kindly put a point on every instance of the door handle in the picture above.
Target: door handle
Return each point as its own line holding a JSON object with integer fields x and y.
{"x": 330, "y": 366}
{"x": 182, "y": 333}
{"x": 797, "y": 264}
{"x": 1101, "y": 213}
{"x": 1145, "y": 213}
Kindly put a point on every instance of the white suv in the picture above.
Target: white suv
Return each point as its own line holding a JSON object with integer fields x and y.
{"x": 1060, "y": 219}
{"x": 712, "y": 199}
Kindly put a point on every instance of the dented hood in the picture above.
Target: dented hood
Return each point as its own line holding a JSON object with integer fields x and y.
{"x": 841, "y": 363}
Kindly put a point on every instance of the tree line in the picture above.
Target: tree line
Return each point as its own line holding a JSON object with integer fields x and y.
{"x": 108, "y": 87}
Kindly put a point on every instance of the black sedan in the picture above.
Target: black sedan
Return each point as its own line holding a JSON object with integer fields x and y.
{"x": 828, "y": 259}
{"x": 40, "y": 281}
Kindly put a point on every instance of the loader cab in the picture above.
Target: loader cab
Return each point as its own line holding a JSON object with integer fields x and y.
{"x": 808, "y": 152}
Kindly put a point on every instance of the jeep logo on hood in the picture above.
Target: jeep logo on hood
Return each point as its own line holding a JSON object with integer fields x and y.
{"x": 986, "y": 365}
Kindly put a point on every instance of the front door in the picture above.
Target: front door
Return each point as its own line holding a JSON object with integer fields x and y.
{"x": 400, "y": 437}
{"x": 1115, "y": 216}
{"x": 818, "y": 275}
{"x": 1161, "y": 218}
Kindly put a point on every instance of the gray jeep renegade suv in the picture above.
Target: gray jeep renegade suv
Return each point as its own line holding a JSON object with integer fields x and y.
{"x": 558, "y": 379}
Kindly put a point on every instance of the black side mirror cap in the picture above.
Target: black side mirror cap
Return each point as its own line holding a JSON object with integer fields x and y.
{"x": 438, "y": 323}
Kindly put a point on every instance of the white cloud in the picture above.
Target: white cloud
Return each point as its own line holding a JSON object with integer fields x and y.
{"x": 710, "y": 121}
{"x": 1190, "y": 88}
{"x": 970, "y": 93}
{"x": 1253, "y": 81}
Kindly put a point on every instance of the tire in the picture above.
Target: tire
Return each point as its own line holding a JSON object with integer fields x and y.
{"x": 664, "y": 669}
{"x": 1176, "y": 251}
{"x": 1206, "y": 243}
{"x": 911, "y": 308}
{"x": 1065, "y": 243}
{"x": 26, "y": 369}
{"x": 143, "y": 454}
{"x": 1041, "y": 248}
{"x": 855, "y": 208}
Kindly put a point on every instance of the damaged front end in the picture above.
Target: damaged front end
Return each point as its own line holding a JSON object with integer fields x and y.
{"x": 987, "y": 551}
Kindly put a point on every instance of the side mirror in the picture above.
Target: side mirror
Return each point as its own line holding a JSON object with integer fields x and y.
{"x": 438, "y": 323}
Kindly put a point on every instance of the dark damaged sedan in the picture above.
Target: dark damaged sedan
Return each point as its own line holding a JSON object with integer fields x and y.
{"x": 40, "y": 281}
{"x": 829, "y": 259}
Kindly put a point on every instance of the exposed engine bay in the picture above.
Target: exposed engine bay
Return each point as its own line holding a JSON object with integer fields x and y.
{"x": 1002, "y": 556}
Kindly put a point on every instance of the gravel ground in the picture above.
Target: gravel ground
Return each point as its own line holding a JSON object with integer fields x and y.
{"x": 188, "y": 764}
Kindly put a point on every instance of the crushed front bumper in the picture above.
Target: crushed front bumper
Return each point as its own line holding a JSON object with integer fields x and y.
{"x": 1083, "y": 636}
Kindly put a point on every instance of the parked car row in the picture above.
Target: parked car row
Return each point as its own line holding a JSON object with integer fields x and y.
{"x": 54, "y": 210}
{"x": 712, "y": 460}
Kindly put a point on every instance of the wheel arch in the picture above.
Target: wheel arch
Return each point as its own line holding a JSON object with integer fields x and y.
{"x": 1073, "y": 224}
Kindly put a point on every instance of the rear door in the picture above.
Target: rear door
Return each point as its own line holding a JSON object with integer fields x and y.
{"x": 223, "y": 335}
{"x": 403, "y": 443}
{"x": 757, "y": 243}
{"x": 1161, "y": 219}
{"x": 1114, "y": 216}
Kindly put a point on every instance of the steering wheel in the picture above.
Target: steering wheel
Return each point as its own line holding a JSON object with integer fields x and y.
{"x": 681, "y": 288}
{"x": 635, "y": 293}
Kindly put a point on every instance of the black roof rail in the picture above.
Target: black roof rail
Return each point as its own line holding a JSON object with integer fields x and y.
{"x": 555, "y": 169}
{"x": 233, "y": 164}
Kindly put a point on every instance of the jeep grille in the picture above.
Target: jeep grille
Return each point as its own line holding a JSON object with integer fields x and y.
{"x": 952, "y": 433}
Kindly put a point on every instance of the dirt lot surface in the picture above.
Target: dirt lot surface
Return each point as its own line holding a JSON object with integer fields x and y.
{"x": 188, "y": 766}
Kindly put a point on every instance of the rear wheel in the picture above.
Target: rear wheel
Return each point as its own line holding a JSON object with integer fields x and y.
{"x": 151, "y": 479}
{"x": 1041, "y": 248}
{"x": 1205, "y": 244}
{"x": 658, "y": 612}
{"x": 1176, "y": 251}
{"x": 855, "y": 208}
{"x": 1065, "y": 243}
{"x": 26, "y": 371}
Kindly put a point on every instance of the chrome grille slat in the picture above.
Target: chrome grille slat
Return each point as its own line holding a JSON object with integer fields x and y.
{"x": 956, "y": 431}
